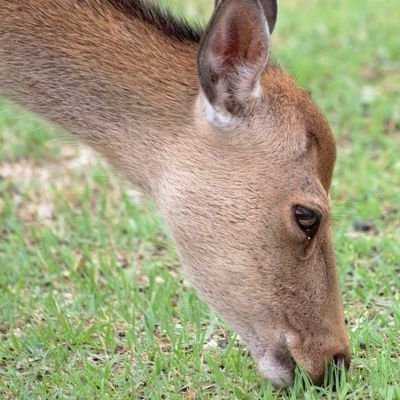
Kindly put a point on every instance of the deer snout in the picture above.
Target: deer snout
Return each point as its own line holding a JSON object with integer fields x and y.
{"x": 278, "y": 364}
{"x": 321, "y": 354}
{"x": 340, "y": 359}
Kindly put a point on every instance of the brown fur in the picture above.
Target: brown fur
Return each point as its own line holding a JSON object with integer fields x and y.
{"x": 131, "y": 90}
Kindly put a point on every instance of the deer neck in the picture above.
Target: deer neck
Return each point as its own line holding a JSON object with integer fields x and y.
{"x": 119, "y": 83}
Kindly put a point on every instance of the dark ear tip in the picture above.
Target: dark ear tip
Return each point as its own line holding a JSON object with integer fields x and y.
{"x": 271, "y": 12}
{"x": 235, "y": 33}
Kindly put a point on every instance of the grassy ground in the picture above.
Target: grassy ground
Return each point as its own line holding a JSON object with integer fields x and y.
{"x": 92, "y": 305}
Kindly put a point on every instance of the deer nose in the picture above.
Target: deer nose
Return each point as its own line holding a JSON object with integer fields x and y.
{"x": 317, "y": 356}
{"x": 340, "y": 360}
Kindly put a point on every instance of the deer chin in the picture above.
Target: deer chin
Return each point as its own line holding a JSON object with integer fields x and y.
{"x": 278, "y": 367}
{"x": 276, "y": 364}
{"x": 272, "y": 356}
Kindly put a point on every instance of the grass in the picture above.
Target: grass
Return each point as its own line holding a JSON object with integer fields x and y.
{"x": 92, "y": 305}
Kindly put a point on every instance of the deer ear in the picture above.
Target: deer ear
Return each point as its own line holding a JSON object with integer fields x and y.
{"x": 270, "y": 10}
{"x": 233, "y": 54}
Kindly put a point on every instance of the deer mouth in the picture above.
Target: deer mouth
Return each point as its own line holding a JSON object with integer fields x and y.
{"x": 277, "y": 365}
{"x": 278, "y": 362}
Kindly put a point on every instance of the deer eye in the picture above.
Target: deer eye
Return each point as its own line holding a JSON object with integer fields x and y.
{"x": 308, "y": 220}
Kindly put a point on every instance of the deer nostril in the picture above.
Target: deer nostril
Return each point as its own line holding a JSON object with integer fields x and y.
{"x": 340, "y": 360}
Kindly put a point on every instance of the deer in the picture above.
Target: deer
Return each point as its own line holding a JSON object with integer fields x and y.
{"x": 238, "y": 158}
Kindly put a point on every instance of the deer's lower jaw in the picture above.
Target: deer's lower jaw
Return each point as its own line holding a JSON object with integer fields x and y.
{"x": 279, "y": 371}
{"x": 277, "y": 364}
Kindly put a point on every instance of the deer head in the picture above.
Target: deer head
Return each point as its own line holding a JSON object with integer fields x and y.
{"x": 249, "y": 209}
{"x": 238, "y": 158}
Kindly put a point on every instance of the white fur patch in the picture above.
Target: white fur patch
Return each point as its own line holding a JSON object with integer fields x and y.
{"x": 217, "y": 118}
{"x": 257, "y": 91}
{"x": 276, "y": 373}
{"x": 221, "y": 118}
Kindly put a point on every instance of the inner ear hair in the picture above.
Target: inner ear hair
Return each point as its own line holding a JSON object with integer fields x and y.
{"x": 233, "y": 54}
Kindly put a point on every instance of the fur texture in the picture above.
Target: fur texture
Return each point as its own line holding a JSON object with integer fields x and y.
{"x": 123, "y": 77}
